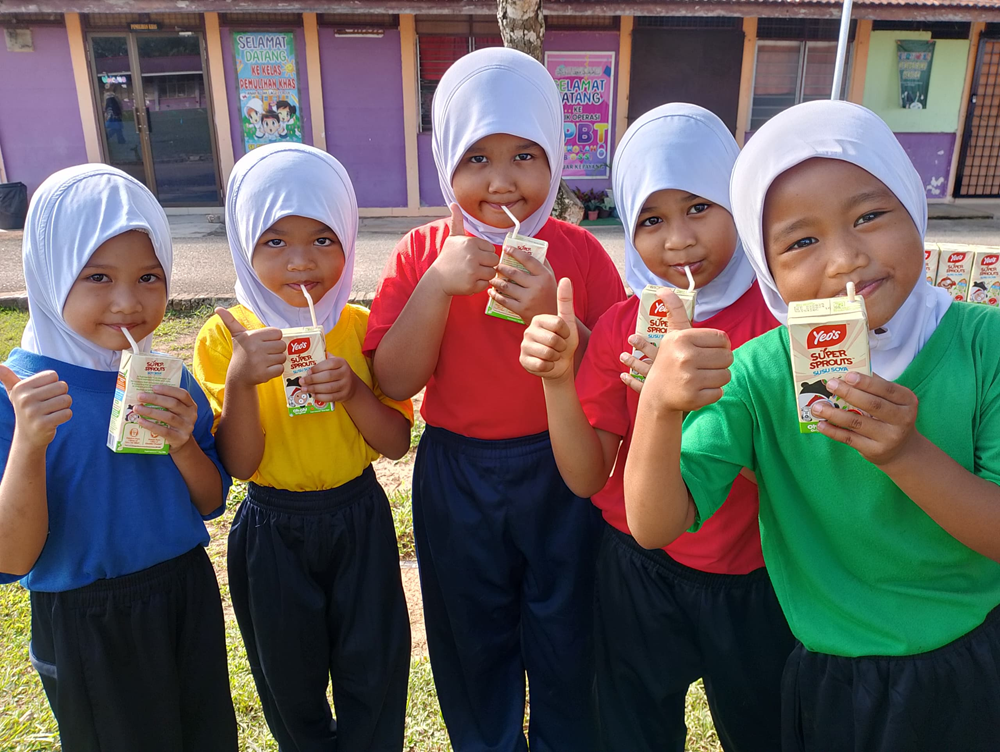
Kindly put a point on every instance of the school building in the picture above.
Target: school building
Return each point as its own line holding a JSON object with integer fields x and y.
{"x": 175, "y": 98}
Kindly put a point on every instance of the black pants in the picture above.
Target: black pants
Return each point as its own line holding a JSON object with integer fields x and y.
{"x": 661, "y": 626}
{"x": 138, "y": 662}
{"x": 506, "y": 554}
{"x": 317, "y": 593}
{"x": 945, "y": 700}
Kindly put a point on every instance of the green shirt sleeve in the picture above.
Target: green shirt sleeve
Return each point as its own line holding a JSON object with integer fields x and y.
{"x": 717, "y": 443}
{"x": 986, "y": 447}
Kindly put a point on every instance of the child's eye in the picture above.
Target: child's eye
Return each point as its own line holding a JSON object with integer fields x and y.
{"x": 650, "y": 221}
{"x": 325, "y": 242}
{"x": 275, "y": 243}
{"x": 523, "y": 157}
{"x": 866, "y": 218}
{"x": 803, "y": 243}
{"x": 99, "y": 278}
{"x": 698, "y": 208}
{"x": 478, "y": 159}
{"x": 147, "y": 278}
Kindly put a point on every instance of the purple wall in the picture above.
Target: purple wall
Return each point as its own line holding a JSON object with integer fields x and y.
{"x": 931, "y": 154}
{"x": 48, "y": 136}
{"x": 555, "y": 41}
{"x": 363, "y": 99}
{"x": 233, "y": 89}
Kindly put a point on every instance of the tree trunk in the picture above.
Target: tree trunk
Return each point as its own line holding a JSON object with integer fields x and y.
{"x": 522, "y": 27}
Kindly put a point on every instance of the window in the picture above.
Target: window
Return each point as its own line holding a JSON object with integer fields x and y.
{"x": 789, "y": 73}
{"x": 435, "y": 54}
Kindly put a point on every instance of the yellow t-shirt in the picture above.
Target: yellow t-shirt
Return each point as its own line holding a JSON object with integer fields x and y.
{"x": 305, "y": 452}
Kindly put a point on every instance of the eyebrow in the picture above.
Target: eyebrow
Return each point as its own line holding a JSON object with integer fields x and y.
{"x": 154, "y": 265}
{"x": 790, "y": 228}
{"x": 865, "y": 197}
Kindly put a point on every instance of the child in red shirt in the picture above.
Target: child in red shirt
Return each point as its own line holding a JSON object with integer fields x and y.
{"x": 506, "y": 551}
{"x": 703, "y": 606}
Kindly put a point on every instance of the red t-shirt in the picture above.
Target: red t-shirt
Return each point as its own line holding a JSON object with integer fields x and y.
{"x": 479, "y": 388}
{"x": 728, "y": 543}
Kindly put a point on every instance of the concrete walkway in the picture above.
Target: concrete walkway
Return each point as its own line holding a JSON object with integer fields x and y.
{"x": 203, "y": 269}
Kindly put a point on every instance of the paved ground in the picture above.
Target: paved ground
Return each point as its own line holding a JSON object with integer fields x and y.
{"x": 203, "y": 266}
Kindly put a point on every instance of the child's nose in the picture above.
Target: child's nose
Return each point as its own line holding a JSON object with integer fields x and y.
{"x": 846, "y": 256}
{"x": 125, "y": 300}
{"x": 501, "y": 182}
{"x": 678, "y": 238}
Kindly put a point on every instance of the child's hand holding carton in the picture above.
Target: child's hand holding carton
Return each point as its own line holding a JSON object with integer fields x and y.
{"x": 691, "y": 366}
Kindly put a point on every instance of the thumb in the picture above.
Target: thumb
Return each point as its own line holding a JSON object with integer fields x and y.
{"x": 457, "y": 220}
{"x": 8, "y": 378}
{"x": 564, "y": 302}
{"x": 234, "y": 326}
{"x": 676, "y": 314}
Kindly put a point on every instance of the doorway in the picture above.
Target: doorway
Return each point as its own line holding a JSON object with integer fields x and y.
{"x": 154, "y": 105}
{"x": 979, "y": 159}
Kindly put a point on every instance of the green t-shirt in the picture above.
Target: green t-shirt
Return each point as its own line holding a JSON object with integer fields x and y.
{"x": 859, "y": 569}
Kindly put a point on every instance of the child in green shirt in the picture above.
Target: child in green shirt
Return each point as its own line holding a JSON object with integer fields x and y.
{"x": 883, "y": 538}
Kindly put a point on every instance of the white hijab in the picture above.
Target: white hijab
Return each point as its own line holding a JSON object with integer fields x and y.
{"x": 277, "y": 181}
{"x": 683, "y": 147}
{"x": 497, "y": 90}
{"x": 72, "y": 214}
{"x": 849, "y": 132}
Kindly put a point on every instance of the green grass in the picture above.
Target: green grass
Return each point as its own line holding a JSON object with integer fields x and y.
{"x": 26, "y": 722}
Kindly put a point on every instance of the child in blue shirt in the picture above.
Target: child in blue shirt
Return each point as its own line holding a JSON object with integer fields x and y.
{"x": 127, "y": 630}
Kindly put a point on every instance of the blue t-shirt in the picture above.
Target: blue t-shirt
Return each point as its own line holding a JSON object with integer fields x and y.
{"x": 109, "y": 514}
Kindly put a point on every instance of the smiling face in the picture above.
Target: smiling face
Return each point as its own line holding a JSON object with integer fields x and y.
{"x": 828, "y": 222}
{"x": 121, "y": 286}
{"x": 295, "y": 252}
{"x": 502, "y": 170}
{"x": 677, "y": 229}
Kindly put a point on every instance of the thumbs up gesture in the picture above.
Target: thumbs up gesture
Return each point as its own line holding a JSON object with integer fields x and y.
{"x": 258, "y": 355}
{"x": 41, "y": 404}
{"x": 691, "y": 365}
{"x": 550, "y": 342}
{"x": 465, "y": 264}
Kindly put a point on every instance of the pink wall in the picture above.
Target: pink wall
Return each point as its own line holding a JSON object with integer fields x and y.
{"x": 40, "y": 130}
{"x": 363, "y": 103}
{"x": 555, "y": 41}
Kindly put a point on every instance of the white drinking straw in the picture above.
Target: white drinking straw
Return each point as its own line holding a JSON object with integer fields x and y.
{"x": 309, "y": 300}
{"x": 517, "y": 225}
{"x": 131, "y": 340}
{"x": 850, "y": 291}
{"x": 687, "y": 271}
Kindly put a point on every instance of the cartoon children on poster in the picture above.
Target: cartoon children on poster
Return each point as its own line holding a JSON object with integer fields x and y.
{"x": 269, "y": 96}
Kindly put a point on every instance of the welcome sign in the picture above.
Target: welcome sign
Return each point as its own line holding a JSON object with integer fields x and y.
{"x": 585, "y": 83}
{"x": 267, "y": 77}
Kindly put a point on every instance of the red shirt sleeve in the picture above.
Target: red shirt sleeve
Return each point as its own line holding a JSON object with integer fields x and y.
{"x": 598, "y": 383}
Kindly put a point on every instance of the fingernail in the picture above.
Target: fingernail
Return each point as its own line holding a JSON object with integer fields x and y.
{"x": 852, "y": 378}
{"x": 832, "y": 384}
{"x": 819, "y": 409}
{"x": 623, "y": 357}
{"x": 633, "y": 340}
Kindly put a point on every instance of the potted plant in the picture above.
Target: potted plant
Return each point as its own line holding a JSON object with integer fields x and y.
{"x": 605, "y": 207}
{"x": 592, "y": 204}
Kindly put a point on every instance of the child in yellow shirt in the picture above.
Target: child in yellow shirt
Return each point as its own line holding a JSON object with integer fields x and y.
{"x": 313, "y": 561}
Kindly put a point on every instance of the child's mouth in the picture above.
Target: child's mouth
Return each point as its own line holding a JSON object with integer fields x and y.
{"x": 499, "y": 207}
{"x": 297, "y": 286}
{"x": 865, "y": 289}
{"x": 694, "y": 266}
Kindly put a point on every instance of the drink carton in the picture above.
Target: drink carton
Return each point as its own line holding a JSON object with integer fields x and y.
{"x": 139, "y": 372}
{"x": 985, "y": 287}
{"x": 828, "y": 338}
{"x": 955, "y": 270}
{"x": 534, "y": 248}
{"x": 651, "y": 322}
{"x": 305, "y": 346}
{"x": 932, "y": 255}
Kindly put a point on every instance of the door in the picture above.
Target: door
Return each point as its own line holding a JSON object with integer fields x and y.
{"x": 155, "y": 108}
{"x": 979, "y": 159}
{"x": 701, "y": 66}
